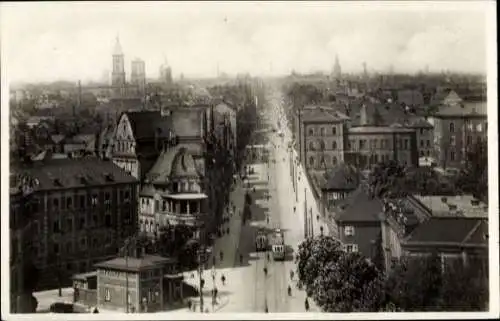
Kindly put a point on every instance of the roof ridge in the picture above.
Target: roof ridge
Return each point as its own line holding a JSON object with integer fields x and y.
{"x": 472, "y": 231}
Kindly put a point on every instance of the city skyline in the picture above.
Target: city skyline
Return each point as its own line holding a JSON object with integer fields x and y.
{"x": 256, "y": 38}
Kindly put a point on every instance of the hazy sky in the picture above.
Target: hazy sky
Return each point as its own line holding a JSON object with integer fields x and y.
{"x": 52, "y": 41}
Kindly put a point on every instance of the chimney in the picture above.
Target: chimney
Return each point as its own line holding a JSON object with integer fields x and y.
{"x": 363, "y": 120}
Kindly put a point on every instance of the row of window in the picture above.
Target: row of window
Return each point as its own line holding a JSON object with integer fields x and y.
{"x": 427, "y": 143}
{"x": 125, "y": 146}
{"x": 323, "y": 161}
{"x": 80, "y": 223}
{"x": 469, "y": 140}
{"x": 81, "y": 201}
{"x": 470, "y": 127}
{"x": 177, "y": 206}
{"x": 322, "y": 131}
{"x": 83, "y": 244}
{"x": 321, "y": 145}
{"x": 376, "y": 143}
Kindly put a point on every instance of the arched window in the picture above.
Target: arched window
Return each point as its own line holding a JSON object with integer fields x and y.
{"x": 311, "y": 146}
{"x": 322, "y": 131}
{"x": 334, "y": 160}
{"x": 452, "y": 127}
{"x": 322, "y": 161}
{"x": 334, "y": 130}
{"x": 311, "y": 132}
{"x": 311, "y": 161}
{"x": 321, "y": 145}
{"x": 334, "y": 145}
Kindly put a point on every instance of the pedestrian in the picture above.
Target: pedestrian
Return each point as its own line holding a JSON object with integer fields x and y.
{"x": 190, "y": 305}
{"x": 291, "y": 274}
{"x": 265, "y": 271}
{"x": 306, "y": 305}
{"x": 223, "y": 279}
{"x": 294, "y": 209}
{"x": 289, "y": 291}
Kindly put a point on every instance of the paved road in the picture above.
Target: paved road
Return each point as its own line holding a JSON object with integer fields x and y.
{"x": 248, "y": 289}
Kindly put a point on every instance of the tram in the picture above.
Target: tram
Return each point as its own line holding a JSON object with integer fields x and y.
{"x": 261, "y": 242}
{"x": 278, "y": 245}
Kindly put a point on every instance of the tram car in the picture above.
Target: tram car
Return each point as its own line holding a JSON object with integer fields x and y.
{"x": 261, "y": 242}
{"x": 278, "y": 245}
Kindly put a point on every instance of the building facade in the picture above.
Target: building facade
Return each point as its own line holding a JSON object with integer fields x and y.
{"x": 321, "y": 133}
{"x": 368, "y": 145}
{"x": 456, "y": 129}
{"x": 77, "y": 206}
{"x": 137, "y": 284}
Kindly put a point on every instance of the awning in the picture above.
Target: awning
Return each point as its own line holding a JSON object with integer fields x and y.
{"x": 187, "y": 196}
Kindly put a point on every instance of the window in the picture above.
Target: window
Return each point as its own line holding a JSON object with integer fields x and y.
{"x": 69, "y": 247}
{"x": 69, "y": 223}
{"x": 69, "y": 202}
{"x": 334, "y": 145}
{"x": 421, "y": 153}
{"x": 452, "y": 140}
{"x": 311, "y": 161}
{"x": 428, "y": 143}
{"x": 56, "y": 227}
{"x": 421, "y": 143}
{"x": 469, "y": 140}
{"x": 107, "y": 295}
{"x": 56, "y": 203}
{"x": 349, "y": 230}
{"x": 421, "y": 131}
{"x": 334, "y": 160}
{"x": 311, "y": 146}
{"x": 56, "y": 248}
{"x": 81, "y": 222}
{"x": 107, "y": 199}
{"x": 321, "y": 145}
{"x": 311, "y": 132}
{"x": 479, "y": 127}
{"x": 94, "y": 200}
{"x": 63, "y": 203}
{"x": 107, "y": 221}
{"x": 83, "y": 243}
{"x": 127, "y": 196}
{"x": 470, "y": 126}
{"x": 452, "y": 156}
{"x": 164, "y": 206}
{"x": 334, "y": 130}
{"x": 322, "y": 131}
{"x": 406, "y": 144}
{"x": 428, "y": 153}
{"x": 362, "y": 144}
{"x": 322, "y": 160}
{"x": 82, "y": 201}
{"x": 351, "y": 248}
{"x": 452, "y": 127}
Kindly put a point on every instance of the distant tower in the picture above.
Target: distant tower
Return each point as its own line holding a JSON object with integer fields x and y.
{"x": 166, "y": 73}
{"x": 138, "y": 75}
{"x": 365, "y": 70}
{"x": 118, "y": 74}
{"x": 337, "y": 71}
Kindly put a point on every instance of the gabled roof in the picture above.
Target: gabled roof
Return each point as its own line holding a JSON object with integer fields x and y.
{"x": 145, "y": 124}
{"x": 360, "y": 207}
{"x": 459, "y": 230}
{"x": 134, "y": 264}
{"x": 174, "y": 162}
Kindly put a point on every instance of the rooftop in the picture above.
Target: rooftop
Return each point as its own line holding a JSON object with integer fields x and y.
{"x": 134, "y": 264}
{"x": 379, "y": 129}
{"x": 147, "y": 124}
{"x": 463, "y": 203}
{"x": 74, "y": 173}
{"x": 476, "y": 108}
{"x": 454, "y": 230}
{"x": 360, "y": 207}
{"x": 321, "y": 114}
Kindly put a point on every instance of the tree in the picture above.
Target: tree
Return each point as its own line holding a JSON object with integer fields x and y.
{"x": 414, "y": 284}
{"x": 338, "y": 281}
{"x": 473, "y": 178}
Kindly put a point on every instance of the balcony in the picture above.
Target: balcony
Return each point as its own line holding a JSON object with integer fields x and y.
{"x": 182, "y": 218}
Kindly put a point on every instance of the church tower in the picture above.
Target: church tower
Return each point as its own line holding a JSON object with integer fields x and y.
{"x": 337, "y": 71}
{"x": 118, "y": 74}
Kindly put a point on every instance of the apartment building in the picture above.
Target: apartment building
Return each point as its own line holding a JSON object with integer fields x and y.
{"x": 81, "y": 210}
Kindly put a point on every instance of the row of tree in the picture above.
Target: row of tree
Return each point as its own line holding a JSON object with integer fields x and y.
{"x": 340, "y": 281}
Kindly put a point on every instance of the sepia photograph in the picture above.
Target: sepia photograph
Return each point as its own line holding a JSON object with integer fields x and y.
{"x": 309, "y": 159}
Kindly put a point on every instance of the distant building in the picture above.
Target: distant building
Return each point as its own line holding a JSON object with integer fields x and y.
{"x": 166, "y": 74}
{"x": 118, "y": 73}
{"x": 81, "y": 211}
{"x": 424, "y": 135}
{"x": 138, "y": 75}
{"x": 456, "y": 129}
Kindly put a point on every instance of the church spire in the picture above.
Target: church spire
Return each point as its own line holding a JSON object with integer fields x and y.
{"x": 337, "y": 71}
{"x": 118, "y": 48}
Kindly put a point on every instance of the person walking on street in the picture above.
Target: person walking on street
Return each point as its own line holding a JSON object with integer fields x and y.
{"x": 223, "y": 279}
{"x": 306, "y": 305}
{"x": 291, "y": 274}
{"x": 265, "y": 271}
{"x": 289, "y": 291}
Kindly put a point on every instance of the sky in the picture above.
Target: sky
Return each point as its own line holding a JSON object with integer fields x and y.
{"x": 48, "y": 41}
